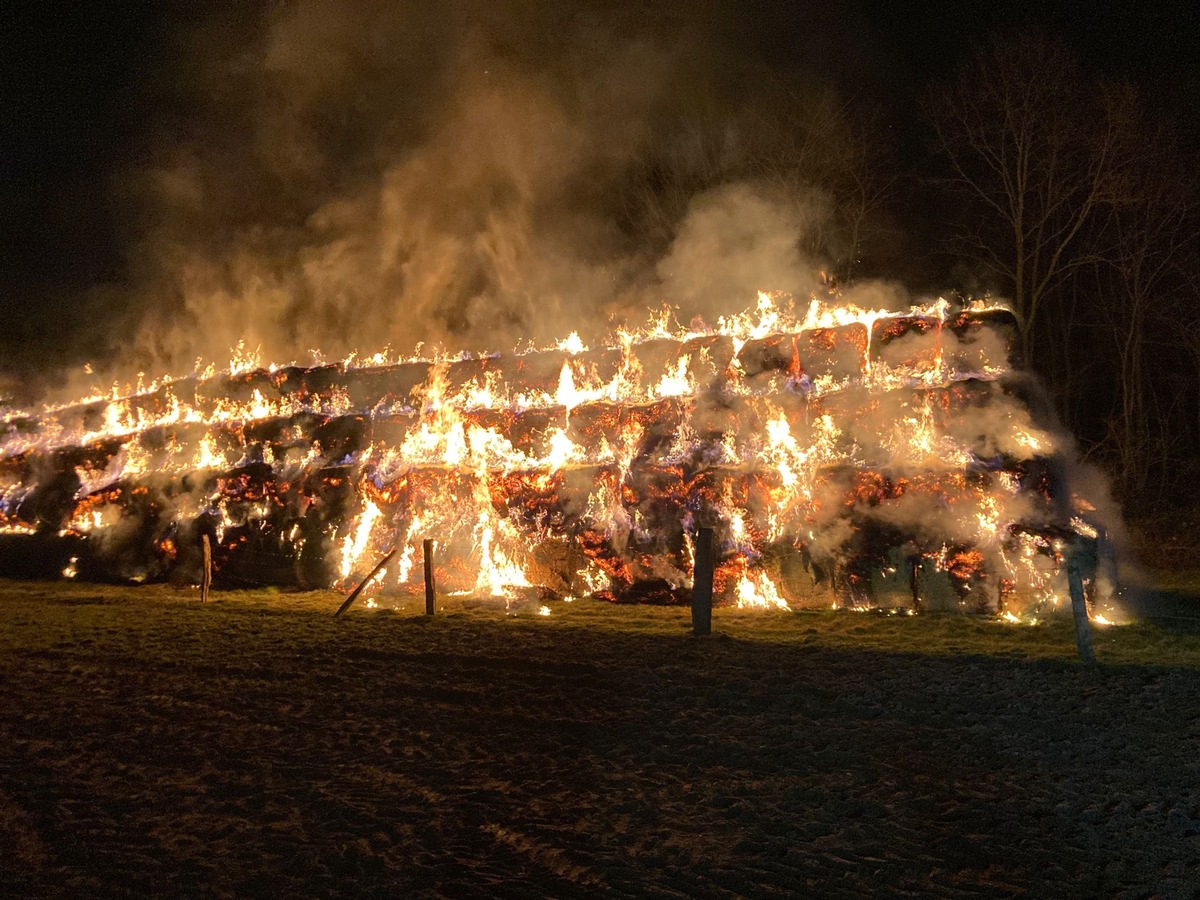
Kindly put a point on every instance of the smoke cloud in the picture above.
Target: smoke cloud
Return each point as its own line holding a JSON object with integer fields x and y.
{"x": 339, "y": 179}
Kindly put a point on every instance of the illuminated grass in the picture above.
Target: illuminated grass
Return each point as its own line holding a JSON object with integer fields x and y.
{"x": 63, "y": 607}
{"x": 154, "y": 746}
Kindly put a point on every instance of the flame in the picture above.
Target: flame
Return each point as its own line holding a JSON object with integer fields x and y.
{"x": 356, "y": 542}
{"x": 756, "y": 591}
{"x": 757, "y": 424}
{"x": 573, "y": 344}
{"x": 499, "y": 573}
{"x": 676, "y": 383}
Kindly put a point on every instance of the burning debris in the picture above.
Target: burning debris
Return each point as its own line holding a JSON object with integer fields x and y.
{"x": 865, "y": 459}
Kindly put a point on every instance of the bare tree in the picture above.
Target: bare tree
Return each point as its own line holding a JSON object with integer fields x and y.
{"x": 1185, "y": 317}
{"x": 825, "y": 146}
{"x": 1140, "y": 247}
{"x": 703, "y": 148}
{"x": 808, "y": 144}
{"x": 1034, "y": 150}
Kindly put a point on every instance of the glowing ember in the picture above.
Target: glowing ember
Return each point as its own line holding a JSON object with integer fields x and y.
{"x": 847, "y": 458}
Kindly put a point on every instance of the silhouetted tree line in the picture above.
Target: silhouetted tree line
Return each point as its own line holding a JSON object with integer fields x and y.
{"x": 1066, "y": 195}
{"x": 1079, "y": 203}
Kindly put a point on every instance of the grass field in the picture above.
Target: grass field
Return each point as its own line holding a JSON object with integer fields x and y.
{"x": 256, "y": 746}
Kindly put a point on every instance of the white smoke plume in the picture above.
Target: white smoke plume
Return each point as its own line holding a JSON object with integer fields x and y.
{"x": 353, "y": 178}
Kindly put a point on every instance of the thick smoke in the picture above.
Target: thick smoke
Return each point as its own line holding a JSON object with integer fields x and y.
{"x": 731, "y": 239}
{"x": 352, "y": 179}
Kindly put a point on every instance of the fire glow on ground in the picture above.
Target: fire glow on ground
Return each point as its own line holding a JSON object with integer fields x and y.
{"x": 256, "y": 745}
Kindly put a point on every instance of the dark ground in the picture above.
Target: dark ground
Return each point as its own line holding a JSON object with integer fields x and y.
{"x": 255, "y": 746}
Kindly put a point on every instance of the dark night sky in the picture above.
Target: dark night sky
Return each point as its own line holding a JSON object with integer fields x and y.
{"x": 84, "y": 90}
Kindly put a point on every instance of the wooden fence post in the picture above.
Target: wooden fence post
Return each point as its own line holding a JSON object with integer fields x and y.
{"x": 430, "y": 591}
{"x": 206, "y": 572}
{"x": 1083, "y": 628}
{"x": 362, "y": 584}
{"x": 702, "y": 583}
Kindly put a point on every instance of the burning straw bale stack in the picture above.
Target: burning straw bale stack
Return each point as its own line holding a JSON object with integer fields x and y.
{"x": 883, "y": 460}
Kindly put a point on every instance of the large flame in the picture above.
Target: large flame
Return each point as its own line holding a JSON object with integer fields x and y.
{"x": 845, "y": 457}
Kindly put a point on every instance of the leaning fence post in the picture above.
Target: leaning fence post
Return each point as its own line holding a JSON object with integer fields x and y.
{"x": 362, "y": 584}
{"x": 1083, "y": 628}
{"x": 702, "y": 583}
{"x": 206, "y": 572}
{"x": 430, "y": 591}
